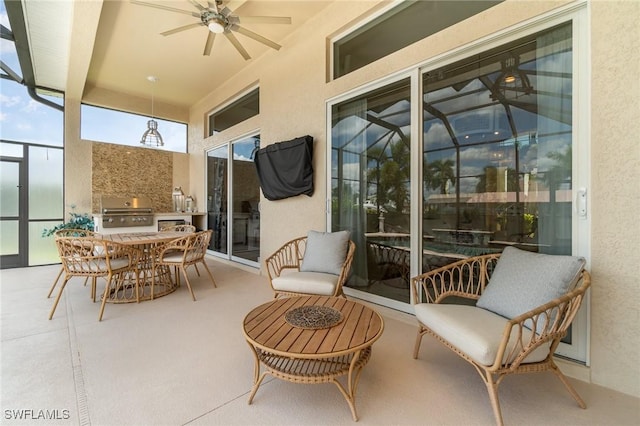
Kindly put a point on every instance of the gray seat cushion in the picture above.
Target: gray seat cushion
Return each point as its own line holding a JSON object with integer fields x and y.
{"x": 523, "y": 281}
{"x": 474, "y": 331}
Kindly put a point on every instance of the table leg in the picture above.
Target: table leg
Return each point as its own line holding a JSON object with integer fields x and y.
{"x": 257, "y": 378}
{"x": 355, "y": 368}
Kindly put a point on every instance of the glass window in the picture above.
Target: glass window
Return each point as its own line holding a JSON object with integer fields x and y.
{"x": 10, "y": 188}
{"x": 370, "y": 186}
{"x": 45, "y": 188}
{"x": 238, "y": 111}
{"x": 42, "y": 250}
{"x": 123, "y": 128}
{"x": 400, "y": 26}
{"x": 11, "y": 150}
{"x": 9, "y": 237}
{"x": 497, "y": 155}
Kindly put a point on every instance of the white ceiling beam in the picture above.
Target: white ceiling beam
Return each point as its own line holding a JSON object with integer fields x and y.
{"x": 84, "y": 27}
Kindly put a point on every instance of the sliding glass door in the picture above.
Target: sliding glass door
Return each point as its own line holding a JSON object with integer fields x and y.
{"x": 370, "y": 185}
{"x": 494, "y": 165}
{"x": 233, "y": 195}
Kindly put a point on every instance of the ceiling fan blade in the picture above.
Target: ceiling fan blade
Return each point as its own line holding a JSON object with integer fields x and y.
{"x": 167, "y": 8}
{"x": 183, "y": 28}
{"x": 197, "y": 5}
{"x": 209, "y": 44}
{"x": 213, "y": 4}
{"x": 233, "y": 5}
{"x": 237, "y": 45}
{"x": 256, "y": 37}
{"x": 265, "y": 19}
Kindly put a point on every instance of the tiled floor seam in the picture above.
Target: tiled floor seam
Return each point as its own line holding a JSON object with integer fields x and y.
{"x": 246, "y": 394}
{"x": 78, "y": 378}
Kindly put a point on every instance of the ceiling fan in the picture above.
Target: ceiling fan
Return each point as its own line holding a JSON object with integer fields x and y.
{"x": 220, "y": 20}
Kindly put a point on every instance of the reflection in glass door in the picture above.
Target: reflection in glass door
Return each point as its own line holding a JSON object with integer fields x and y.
{"x": 217, "y": 166}
{"x": 370, "y": 187}
{"x": 497, "y": 143}
{"x": 246, "y": 197}
{"x": 233, "y": 195}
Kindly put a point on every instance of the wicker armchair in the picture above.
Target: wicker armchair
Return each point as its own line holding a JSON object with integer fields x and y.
{"x": 181, "y": 253}
{"x": 61, "y": 233}
{"x": 495, "y": 345}
{"x": 181, "y": 228}
{"x": 91, "y": 257}
{"x": 288, "y": 259}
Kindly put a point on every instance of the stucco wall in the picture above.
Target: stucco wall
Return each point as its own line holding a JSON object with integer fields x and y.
{"x": 615, "y": 165}
{"x": 293, "y": 95}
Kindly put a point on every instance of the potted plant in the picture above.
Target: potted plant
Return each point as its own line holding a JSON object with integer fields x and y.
{"x": 77, "y": 221}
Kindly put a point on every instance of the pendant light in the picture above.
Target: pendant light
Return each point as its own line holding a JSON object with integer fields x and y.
{"x": 151, "y": 137}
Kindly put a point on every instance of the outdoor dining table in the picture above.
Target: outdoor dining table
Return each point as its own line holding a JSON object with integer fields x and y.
{"x": 145, "y": 242}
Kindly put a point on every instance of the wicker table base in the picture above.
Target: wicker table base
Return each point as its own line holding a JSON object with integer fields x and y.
{"x": 123, "y": 289}
{"x": 314, "y": 371}
{"x": 312, "y": 355}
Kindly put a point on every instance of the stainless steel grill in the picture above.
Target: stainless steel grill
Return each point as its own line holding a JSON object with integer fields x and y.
{"x": 120, "y": 212}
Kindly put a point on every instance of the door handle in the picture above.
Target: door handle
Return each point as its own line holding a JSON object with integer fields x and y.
{"x": 581, "y": 203}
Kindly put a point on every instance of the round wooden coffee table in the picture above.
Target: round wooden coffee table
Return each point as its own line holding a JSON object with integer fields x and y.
{"x": 312, "y": 339}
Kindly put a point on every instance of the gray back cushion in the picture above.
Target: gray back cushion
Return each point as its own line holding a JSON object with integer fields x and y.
{"x": 522, "y": 281}
{"x": 325, "y": 252}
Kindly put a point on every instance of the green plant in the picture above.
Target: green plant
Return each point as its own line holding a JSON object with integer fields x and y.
{"x": 77, "y": 221}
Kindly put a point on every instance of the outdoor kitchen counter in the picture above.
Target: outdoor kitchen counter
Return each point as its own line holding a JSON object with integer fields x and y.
{"x": 194, "y": 218}
{"x": 145, "y": 242}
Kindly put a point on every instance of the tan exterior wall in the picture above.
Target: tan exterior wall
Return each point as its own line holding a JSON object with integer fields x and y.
{"x": 615, "y": 173}
{"x": 77, "y": 161}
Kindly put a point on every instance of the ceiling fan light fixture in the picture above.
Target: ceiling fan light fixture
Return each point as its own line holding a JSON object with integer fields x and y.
{"x": 215, "y": 26}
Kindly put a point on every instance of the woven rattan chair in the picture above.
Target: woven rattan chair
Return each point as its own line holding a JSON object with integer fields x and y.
{"x": 287, "y": 279}
{"x": 181, "y": 253}
{"x": 60, "y": 233}
{"x": 179, "y": 228}
{"x": 93, "y": 258}
{"x": 509, "y": 343}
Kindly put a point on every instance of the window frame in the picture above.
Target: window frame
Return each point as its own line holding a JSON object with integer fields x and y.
{"x": 368, "y": 21}
{"x": 229, "y": 103}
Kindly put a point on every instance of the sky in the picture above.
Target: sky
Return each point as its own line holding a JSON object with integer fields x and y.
{"x": 23, "y": 119}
